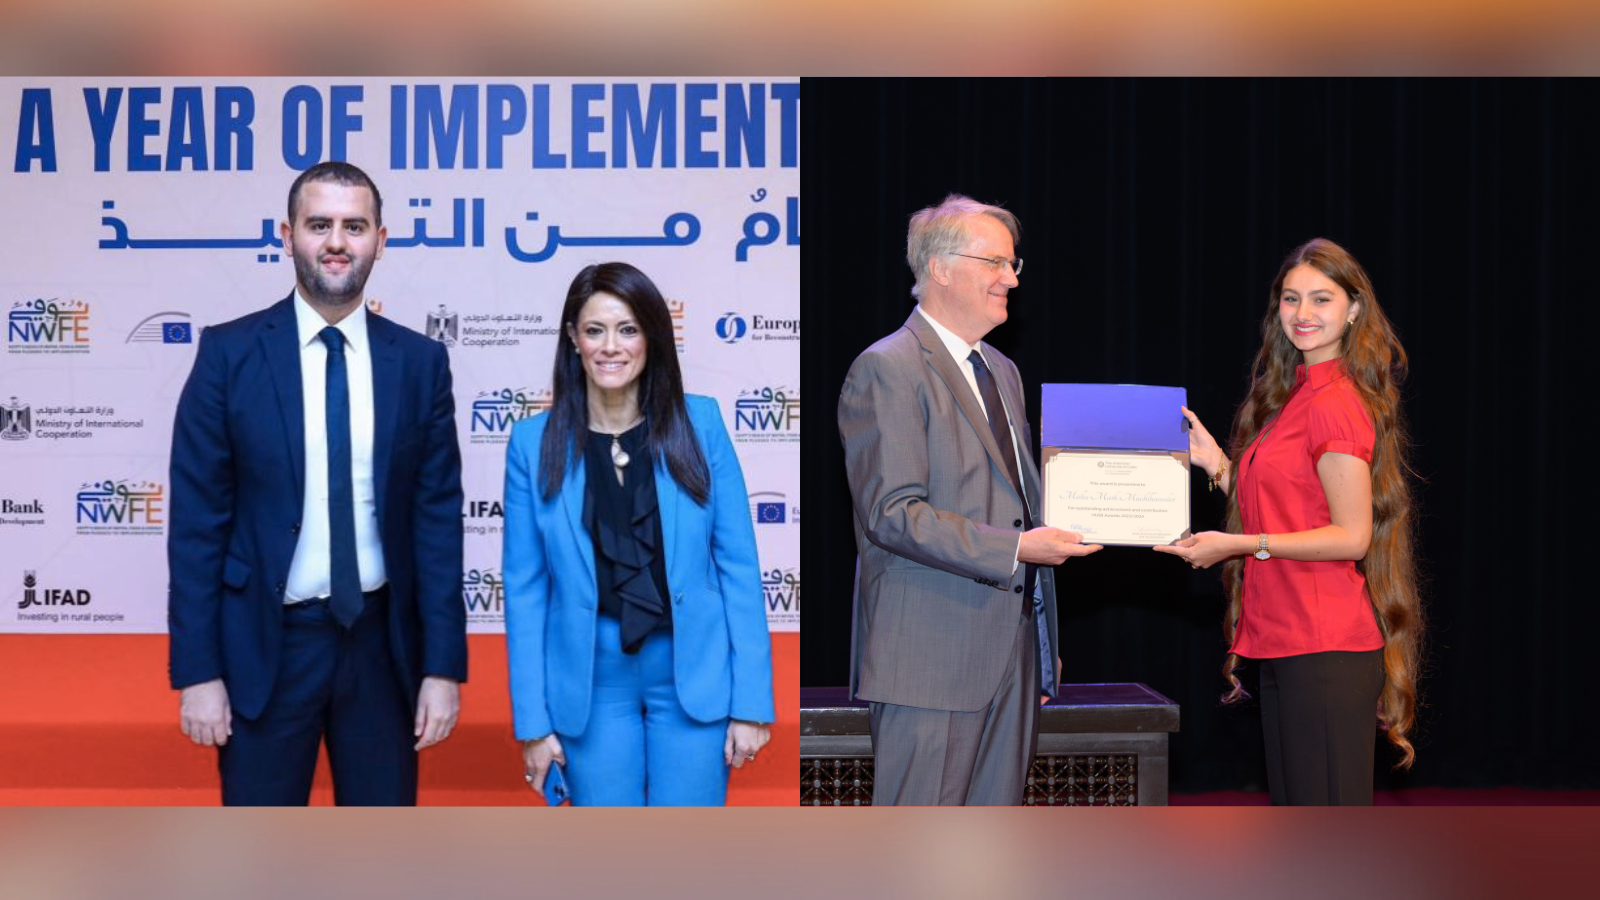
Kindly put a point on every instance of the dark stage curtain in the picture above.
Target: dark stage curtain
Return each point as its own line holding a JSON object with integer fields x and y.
{"x": 1154, "y": 215}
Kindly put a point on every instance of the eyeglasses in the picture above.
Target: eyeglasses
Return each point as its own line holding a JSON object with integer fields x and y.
{"x": 997, "y": 261}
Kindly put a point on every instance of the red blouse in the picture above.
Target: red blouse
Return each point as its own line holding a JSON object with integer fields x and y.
{"x": 1290, "y": 606}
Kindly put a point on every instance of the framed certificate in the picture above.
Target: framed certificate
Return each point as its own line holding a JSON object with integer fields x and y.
{"x": 1115, "y": 462}
{"x": 1133, "y": 497}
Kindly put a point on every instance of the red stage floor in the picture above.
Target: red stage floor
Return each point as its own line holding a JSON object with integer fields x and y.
{"x": 89, "y": 720}
{"x": 1505, "y": 796}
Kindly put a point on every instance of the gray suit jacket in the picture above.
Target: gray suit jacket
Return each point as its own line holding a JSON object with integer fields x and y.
{"x": 936, "y": 523}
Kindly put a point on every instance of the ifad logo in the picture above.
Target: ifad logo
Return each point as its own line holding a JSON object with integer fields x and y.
{"x": 121, "y": 507}
{"x": 483, "y": 517}
{"x": 483, "y": 592}
{"x": 163, "y": 328}
{"x": 48, "y": 326}
{"x": 32, "y": 595}
{"x": 495, "y": 411}
{"x": 767, "y": 415}
{"x": 772, "y": 508}
{"x": 782, "y": 590}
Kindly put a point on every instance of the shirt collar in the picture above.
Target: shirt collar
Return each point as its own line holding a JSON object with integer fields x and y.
{"x": 1322, "y": 374}
{"x": 309, "y": 324}
{"x": 958, "y": 348}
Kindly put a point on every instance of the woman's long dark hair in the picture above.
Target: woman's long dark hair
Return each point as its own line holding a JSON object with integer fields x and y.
{"x": 670, "y": 435}
{"x": 1376, "y": 364}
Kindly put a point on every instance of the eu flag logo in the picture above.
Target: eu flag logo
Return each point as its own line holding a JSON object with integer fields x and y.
{"x": 176, "y": 333}
{"x": 770, "y": 513}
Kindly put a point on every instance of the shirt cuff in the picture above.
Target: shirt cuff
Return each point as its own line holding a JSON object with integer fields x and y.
{"x": 1360, "y": 451}
{"x": 1016, "y": 557}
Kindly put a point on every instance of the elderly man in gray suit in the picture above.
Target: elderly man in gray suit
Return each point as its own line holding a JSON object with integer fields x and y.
{"x": 954, "y": 632}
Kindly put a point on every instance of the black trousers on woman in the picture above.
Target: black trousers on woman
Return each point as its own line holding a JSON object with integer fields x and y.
{"x": 1319, "y": 717}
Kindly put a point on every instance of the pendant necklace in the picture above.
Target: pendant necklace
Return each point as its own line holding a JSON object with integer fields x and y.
{"x": 619, "y": 456}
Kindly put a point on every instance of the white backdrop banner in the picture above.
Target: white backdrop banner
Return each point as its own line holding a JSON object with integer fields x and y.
{"x": 137, "y": 212}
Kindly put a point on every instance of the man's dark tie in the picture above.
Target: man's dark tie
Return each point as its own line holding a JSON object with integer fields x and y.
{"x": 345, "y": 571}
{"x": 1002, "y": 436}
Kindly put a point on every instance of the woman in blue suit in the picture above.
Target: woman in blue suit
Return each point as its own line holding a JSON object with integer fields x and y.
{"x": 635, "y": 623}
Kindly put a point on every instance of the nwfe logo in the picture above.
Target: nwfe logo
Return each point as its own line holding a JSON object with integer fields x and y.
{"x": 494, "y": 412}
{"x": 138, "y": 505}
{"x": 53, "y": 322}
{"x": 782, "y": 590}
{"x": 766, "y": 409}
{"x": 483, "y": 592}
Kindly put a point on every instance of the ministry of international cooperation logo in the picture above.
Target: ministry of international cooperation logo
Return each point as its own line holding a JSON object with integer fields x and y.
{"x": 16, "y": 421}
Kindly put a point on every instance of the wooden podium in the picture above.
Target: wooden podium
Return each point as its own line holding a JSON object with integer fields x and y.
{"x": 1099, "y": 745}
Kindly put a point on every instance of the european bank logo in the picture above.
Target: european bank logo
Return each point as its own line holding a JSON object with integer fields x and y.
{"x": 121, "y": 507}
{"x": 16, "y": 421}
{"x": 772, "y": 508}
{"x": 443, "y": 326}
{"x": 782, "y": 590}
{"x": 731, "y": 328}
{"x": 767, "y": 415}
{"x": 675, "y": 309}
{"x": 483, "y": 593}
{"x": 163, "y": 328}
{"x": 48, "y": 326}
{"x": 495, "y": 411}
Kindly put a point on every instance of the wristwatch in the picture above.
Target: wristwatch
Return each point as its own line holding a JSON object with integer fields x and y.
{"x": 1261, "y": 548}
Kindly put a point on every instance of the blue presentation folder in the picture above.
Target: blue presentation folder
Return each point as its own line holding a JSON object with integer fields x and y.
{"x": 1113, "y": 417}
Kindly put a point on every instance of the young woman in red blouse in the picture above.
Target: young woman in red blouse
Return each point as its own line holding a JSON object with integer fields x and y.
{"x": 1318, "y": 551}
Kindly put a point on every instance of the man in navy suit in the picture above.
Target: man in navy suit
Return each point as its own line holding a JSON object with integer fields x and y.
{"x": 315, "y": 545}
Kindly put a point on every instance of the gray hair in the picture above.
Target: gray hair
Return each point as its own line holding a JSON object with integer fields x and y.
{"x": 942, "y": 230}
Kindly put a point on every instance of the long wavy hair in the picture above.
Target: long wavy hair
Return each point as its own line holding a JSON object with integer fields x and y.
{"x": 670, "y": 435}
{"x": 1376, "y": 364}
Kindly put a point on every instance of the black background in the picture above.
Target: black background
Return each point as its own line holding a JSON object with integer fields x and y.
{"x": 1154, "y": 216}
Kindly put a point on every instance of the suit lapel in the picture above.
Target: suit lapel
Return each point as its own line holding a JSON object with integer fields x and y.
{"x": 386, "y": 370}
{"x": 945, "y": 366}
{"x": 572, "y": 494}
{"x": 280, "y": 341}
{"x": 669, "y": 498}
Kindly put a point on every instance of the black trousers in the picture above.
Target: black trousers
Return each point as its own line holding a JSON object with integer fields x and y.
{"x": 1319, "y": 717}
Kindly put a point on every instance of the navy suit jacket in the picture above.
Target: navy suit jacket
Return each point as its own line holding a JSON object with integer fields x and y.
{"x": 238, "y": 487}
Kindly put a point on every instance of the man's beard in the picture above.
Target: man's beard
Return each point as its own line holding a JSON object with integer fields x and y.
{"x": 332, "y": 291}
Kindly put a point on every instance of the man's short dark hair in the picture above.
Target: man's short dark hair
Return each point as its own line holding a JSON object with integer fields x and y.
{"x": 334, "y": 172}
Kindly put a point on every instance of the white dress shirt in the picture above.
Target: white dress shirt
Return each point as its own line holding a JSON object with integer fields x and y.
{"x": 309, "y": 573}
{"x": 960, "y": 349}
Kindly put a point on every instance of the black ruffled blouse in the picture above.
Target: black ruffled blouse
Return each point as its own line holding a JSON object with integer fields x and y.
{"x": 625, "y": 522}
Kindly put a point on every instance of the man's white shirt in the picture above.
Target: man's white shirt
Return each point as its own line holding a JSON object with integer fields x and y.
{"x": 310, "y": 573}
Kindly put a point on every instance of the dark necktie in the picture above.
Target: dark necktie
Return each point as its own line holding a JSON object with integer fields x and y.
{"x": 1002, "y": 436}
{"x": 345, "y": 571}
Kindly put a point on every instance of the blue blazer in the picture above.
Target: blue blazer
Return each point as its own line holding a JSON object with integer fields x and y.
{"x": 238, "y": 487}
{"x": 722, "y": 655}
